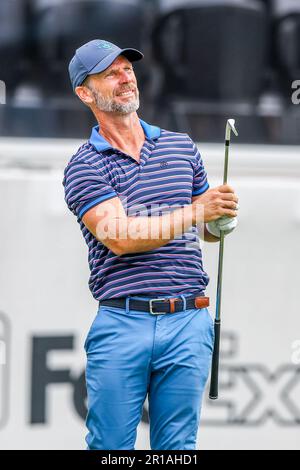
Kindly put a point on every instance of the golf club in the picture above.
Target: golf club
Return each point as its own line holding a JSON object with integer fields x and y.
{"x": 213, "y": 391}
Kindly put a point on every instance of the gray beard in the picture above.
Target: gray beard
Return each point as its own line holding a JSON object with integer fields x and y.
{"x": 110, "y": 106}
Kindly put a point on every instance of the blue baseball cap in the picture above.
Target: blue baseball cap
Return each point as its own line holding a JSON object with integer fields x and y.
{"x": 94, "y": 57}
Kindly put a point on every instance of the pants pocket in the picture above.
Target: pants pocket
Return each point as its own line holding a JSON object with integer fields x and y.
{"x": 92, "y": 327}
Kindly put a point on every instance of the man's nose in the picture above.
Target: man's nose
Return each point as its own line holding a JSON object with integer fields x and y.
{"x": 125, "y": 77}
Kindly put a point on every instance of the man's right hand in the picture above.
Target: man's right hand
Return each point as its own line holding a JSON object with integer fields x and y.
{"x": 215, "y": 203}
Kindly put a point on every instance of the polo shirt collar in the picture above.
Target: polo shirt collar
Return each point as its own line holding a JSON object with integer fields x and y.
{"x": 100, "y": 144}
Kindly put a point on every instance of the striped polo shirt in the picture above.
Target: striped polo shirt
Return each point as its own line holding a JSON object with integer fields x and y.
{"x": 169, "y": 173}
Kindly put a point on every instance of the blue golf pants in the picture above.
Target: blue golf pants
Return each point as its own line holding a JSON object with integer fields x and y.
{"x": 131, "y": 354}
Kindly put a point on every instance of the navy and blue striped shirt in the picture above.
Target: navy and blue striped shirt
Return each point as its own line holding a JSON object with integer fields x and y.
{"x": 169, "y": 173}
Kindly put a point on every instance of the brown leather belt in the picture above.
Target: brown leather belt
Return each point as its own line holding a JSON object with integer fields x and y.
{"x": 159, "y": 306}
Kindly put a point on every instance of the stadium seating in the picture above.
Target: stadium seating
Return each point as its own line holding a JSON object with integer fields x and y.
{"x": 204, "y": 60}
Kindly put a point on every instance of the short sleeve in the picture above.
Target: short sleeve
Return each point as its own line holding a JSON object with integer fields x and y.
{"x": 200, "y": 183}
{"x": 85, "y": 187}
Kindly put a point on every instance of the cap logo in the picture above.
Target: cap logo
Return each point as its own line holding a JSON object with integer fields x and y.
{"x": 104, "y": 45}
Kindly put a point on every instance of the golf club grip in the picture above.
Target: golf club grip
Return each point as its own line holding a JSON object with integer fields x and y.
{"x": 213, "y": 391}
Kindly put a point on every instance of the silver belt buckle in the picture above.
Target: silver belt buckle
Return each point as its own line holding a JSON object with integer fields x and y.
{"x": 151, "y": 306}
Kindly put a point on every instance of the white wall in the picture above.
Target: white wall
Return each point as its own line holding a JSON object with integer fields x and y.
{"x": 44, "y": 295}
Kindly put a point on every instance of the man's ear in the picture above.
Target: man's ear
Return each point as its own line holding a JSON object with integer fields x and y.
{"x": 84, "y": 94}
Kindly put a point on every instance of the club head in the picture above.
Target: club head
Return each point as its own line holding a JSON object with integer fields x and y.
{"x": 230, "y": 126}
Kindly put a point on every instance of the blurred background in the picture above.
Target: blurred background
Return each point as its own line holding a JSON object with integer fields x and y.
{"x": 205, "y": 61}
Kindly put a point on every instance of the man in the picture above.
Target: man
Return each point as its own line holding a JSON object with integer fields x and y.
{"x": 137, "y": 192}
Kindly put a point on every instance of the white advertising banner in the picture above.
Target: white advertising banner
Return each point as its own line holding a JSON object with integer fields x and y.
{"x": 46, "y": 308}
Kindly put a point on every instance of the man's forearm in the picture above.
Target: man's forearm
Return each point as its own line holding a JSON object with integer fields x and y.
{"x": 139, "y": 234}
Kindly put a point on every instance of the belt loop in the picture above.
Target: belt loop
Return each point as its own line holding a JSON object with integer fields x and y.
{"x": 127, "y": 304}
{"x": 183, "y": 300}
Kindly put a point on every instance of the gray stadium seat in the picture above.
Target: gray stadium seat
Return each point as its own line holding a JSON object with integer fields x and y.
{"x": 213, "y": 49}
{"x": 211, "y": 52}
{"x": 63, "y": 26}
{"x": 287, "y": 43}
{"x": 12, "y": 40}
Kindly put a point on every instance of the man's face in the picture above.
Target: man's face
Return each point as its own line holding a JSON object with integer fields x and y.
{"x": 115, "y": 89}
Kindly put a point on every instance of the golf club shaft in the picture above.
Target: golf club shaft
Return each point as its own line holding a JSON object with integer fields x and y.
{"x": 214, "y": 380}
